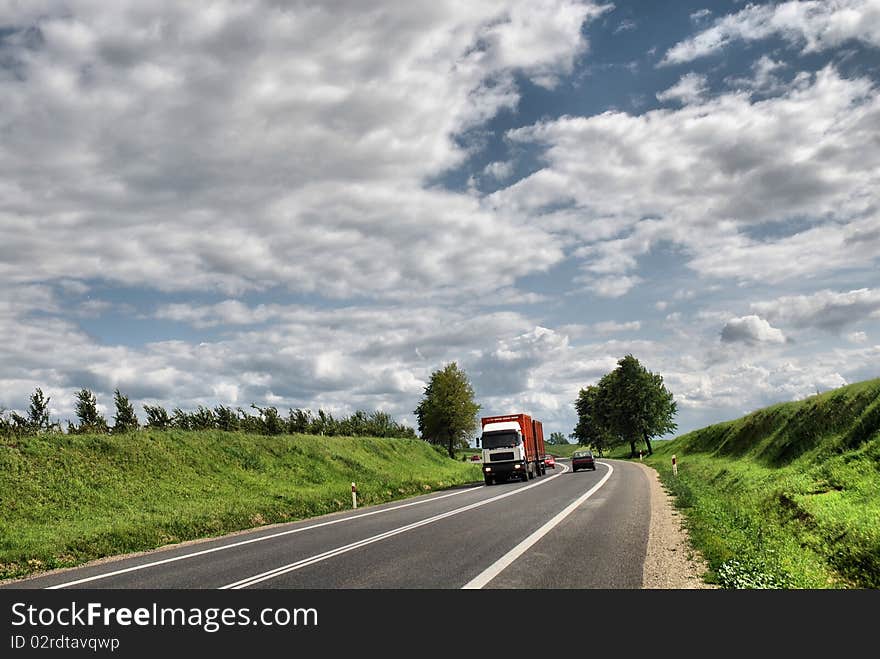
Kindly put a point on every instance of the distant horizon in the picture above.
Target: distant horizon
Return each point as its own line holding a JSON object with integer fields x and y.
{"x": 316, "y": 207}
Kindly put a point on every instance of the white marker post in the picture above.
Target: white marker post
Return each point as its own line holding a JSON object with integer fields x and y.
{"x": 674, "y": 467}
{"x": 354, "y": 496}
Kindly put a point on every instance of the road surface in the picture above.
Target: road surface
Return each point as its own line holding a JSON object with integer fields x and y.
{"x": 560, "y": 531}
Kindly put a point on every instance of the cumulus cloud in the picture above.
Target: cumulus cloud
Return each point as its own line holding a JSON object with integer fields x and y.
{"x": 764, "y": 78}
{"x": 613, "y": 327}
{"x": 751, "y": 330}
{"x": 231, "y": 148}
{"x": 689, "y": 89}
{"x": 857, "y": 337}
{"x": 710, "y": 177}
{"x": 499, "y": 170}
{"x": 827, "y": 310}
{"x": 813, "y": 25}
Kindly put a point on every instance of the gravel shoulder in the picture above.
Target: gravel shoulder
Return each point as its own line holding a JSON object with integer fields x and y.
{"x": 671, "y": 562}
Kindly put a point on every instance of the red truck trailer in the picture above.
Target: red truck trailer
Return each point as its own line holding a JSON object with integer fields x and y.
{"x": 513, "y": 444}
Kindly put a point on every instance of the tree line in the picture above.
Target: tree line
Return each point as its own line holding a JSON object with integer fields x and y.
{"x": 263, "y": 421}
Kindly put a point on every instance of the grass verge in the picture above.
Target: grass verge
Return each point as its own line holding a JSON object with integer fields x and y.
{"x": 69, "y": 499}
{"x": 786, "y": 497}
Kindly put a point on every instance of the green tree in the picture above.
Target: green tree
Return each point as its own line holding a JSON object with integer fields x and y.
{"x": 90, "y": 419}
{"x": 632, "y": 404}
{"x": 447, "y": 413}
{"x": 125, "y": 420}
{"x": 157, "y": 417}
{"x": 592, "y": 426}
{"x": 557, "y": 438}
{"x": 38, "y": 413}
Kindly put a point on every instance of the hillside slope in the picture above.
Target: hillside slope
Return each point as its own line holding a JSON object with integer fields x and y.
{"x": 67, "y": 499}
{"x": 787, "y": 496}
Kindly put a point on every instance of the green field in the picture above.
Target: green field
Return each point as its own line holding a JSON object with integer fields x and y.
{"x": 68, "y": 499}
{"x": 786, "y": 497}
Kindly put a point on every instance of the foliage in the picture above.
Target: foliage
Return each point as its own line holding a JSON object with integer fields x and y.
{"x": 557, "y": 438}
{"x": 68, "y": 499}
{"x": 266, "y": 421}
{"x": 590, "y": 429}
{"x": 157, "y": 417}
{"x": 90, "y": 419}
{"x": 38, "y": 413}
{"x": 785, "y": 497}
{"x": 628, "y": 405}
{"x": 125, "y": 420}
{"x": 447, "y": 413}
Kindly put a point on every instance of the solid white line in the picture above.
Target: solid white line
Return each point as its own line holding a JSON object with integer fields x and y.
{"x": 498, "y": 566}
{"x": 290, "y": 567}
{"x": 182, "y": 557}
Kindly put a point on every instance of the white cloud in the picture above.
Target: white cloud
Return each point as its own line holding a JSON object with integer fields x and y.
{"x": 499, "y": 170}
{"x": 230, "y": 148}
{"x": 716, "y": 178}
{"x": 690, "y": 88}
{"x": 857, "y": 337}
{"x": 751, "y": 330}
{"x": 613, "y": 327}
{"x": 612, "y": 286}
{"x": 763, "y": 79}
{"x": 827, "y": 310}
{"x": 814, "y": 25}
{"x": 625, "y": 26}
{"x": 700, "y": 15}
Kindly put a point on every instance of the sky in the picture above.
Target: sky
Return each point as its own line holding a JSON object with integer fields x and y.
{"x": 318, "y": 204}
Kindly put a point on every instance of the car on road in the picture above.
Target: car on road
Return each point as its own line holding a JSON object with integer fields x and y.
{"x": 475, "y": 458}
{"x": 550, "y": 461}
{"x": 583, "y": 460}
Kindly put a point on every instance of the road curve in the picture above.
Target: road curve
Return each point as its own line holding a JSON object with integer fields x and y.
{"x": 563, "y": 530}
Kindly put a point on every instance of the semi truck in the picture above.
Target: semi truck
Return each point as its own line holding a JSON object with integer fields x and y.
{"x": 513, "y": 445}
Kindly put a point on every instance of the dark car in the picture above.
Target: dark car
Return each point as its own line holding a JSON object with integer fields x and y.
{"x": 550, "y": 461}
{"x": 582, "y": 460}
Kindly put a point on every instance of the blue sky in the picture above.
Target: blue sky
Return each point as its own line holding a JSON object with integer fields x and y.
{"x": 318, "y": 205}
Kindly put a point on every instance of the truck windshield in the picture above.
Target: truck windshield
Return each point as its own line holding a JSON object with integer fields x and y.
{"x": 501, "y": 439}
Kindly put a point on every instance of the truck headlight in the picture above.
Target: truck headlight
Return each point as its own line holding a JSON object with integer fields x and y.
{"x": 487, "y": 469}
{"x": 517, "y": 466}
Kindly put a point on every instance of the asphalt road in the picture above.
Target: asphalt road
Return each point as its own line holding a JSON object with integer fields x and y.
{"x": 563, "y": 530}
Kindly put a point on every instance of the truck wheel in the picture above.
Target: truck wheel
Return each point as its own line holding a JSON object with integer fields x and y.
{"x": 524, "y": 477}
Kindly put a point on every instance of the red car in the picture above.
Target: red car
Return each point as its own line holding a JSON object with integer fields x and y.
{"x": 475, "y": 458}
{"x": 550, "y": 461}
{"x": 582, "y": 460}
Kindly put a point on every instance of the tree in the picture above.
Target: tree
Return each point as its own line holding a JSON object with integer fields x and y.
{"x": 557, "y": 438}
{"x": 592, "y": 428}
{"x": 157, "y": 417}
{"x": 38, "y": 412}
{"x": 628, "y": 405}
{"x": 90, "y": 419}
{"x": 447, "y": 413}
{"x": 125, "y": 420}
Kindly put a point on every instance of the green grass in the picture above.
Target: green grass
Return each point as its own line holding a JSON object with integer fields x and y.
{"x": 786, "y": 497}
{"x": 68, "y": 499}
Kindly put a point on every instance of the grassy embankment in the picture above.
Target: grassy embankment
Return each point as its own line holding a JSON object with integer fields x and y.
{"x": 788, "y": 496}
{"x": 68, "y": 499}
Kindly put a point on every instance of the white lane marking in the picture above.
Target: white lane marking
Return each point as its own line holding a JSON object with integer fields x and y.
{"x": 498, "y": 566}
{"x": 317, "y": 558}
{"x": 252, "y": 540}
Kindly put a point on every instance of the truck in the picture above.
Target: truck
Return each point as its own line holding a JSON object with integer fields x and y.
{"x": 512, "y": 445}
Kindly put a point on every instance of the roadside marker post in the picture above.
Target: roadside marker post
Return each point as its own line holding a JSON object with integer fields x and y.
{"x": 354, "y": 496}
{"x": 674, "y": 467}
